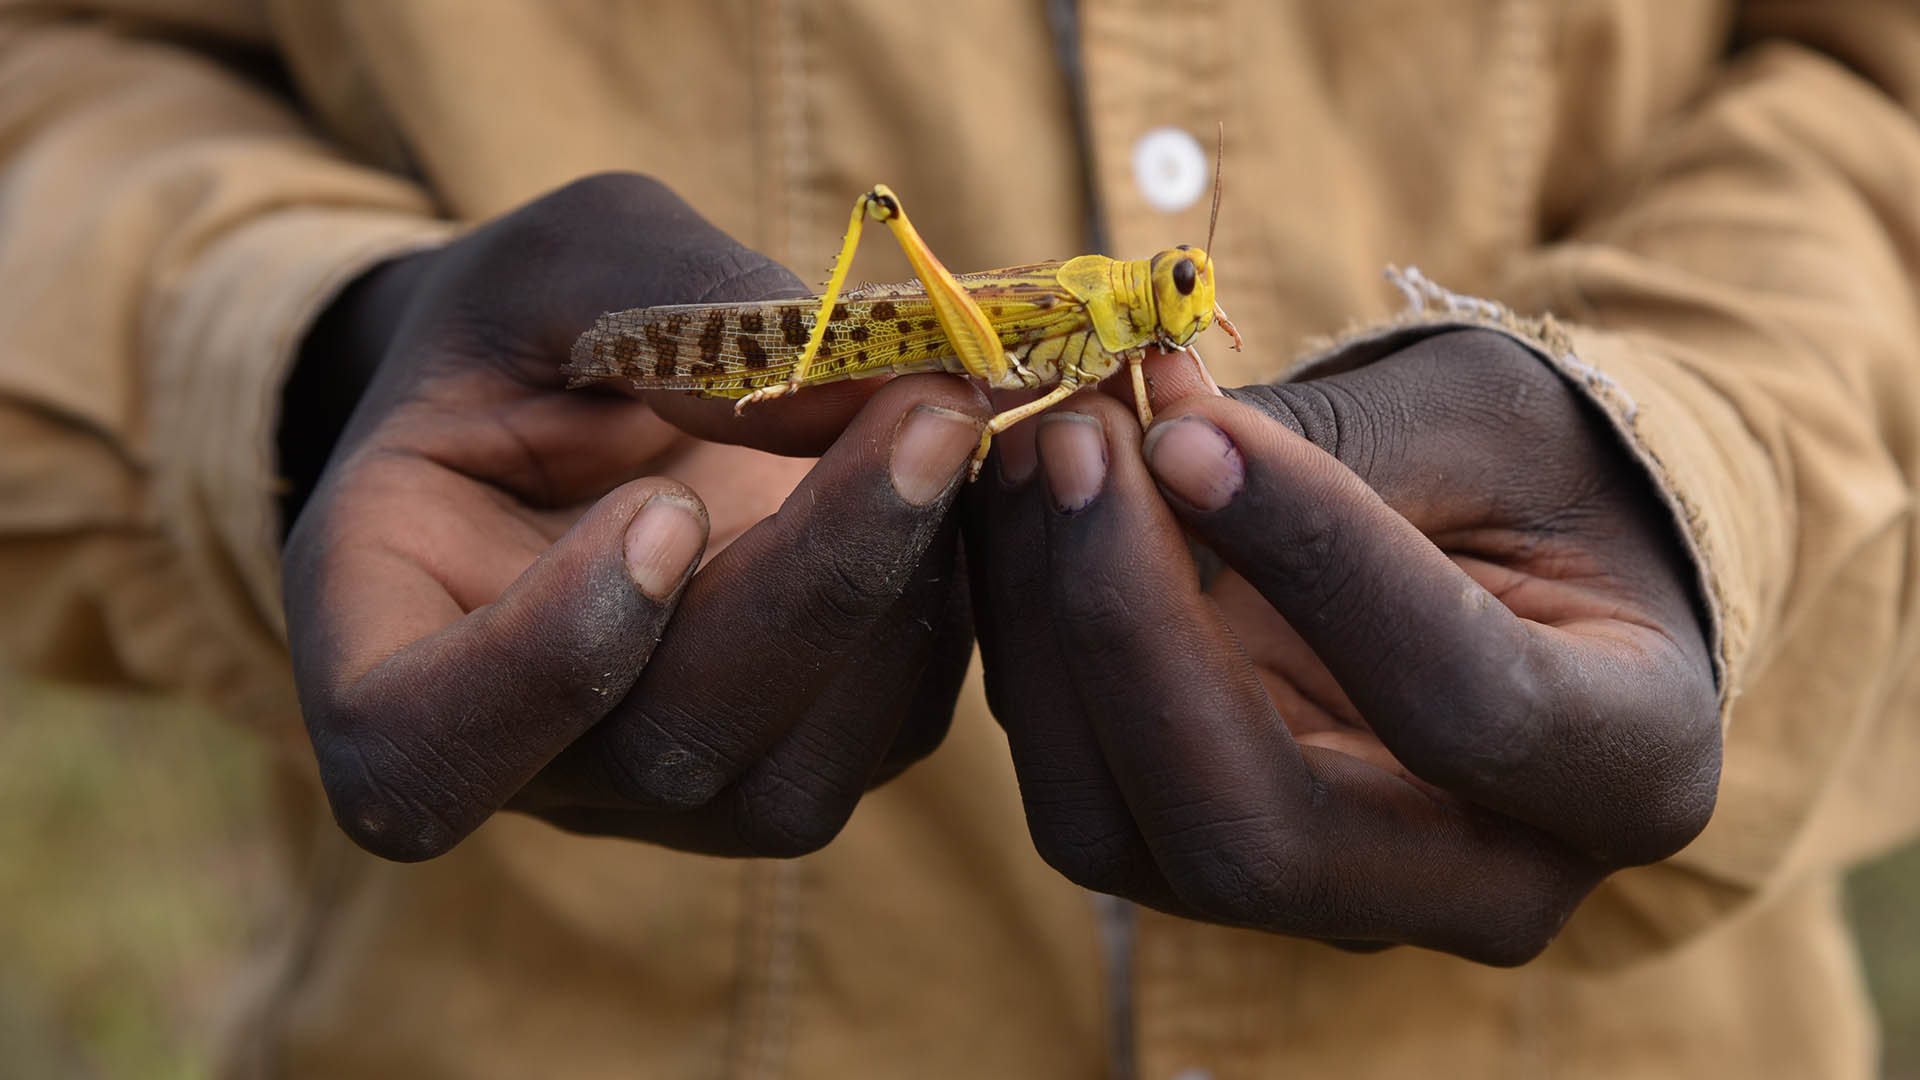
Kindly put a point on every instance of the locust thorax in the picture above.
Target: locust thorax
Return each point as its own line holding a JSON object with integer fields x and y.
{"x": 1182, "y": 294}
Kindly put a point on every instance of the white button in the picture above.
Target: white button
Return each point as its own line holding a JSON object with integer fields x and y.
{"x": 1171, "y": 168}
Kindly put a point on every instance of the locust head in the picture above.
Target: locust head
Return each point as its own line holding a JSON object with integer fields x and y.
{"x": 1182, "y": 295}
{"x": 1183, "y": 284}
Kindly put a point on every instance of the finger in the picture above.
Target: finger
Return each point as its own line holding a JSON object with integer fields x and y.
{"x": 802, "y": 424}
{"x": 418, "y": 749}
{"x": 1392, "y": 420}
{"x": 949, "y": 648}
{"x": 612, "y": 242}
{"x": 1246, "y": 827}
{"x": 800, "y": 794}
{"x": 769, "y": 622}
{"x": 1569, "y": 728}
{"x": 1075, "y": 812}
{"x": 797, "y": 798}
{"x": 1480, "y": 403}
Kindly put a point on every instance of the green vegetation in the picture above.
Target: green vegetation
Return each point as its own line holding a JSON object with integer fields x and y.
{"x": 133, "y": 878}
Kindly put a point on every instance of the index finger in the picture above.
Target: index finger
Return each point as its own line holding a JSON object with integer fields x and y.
{"x": 803, "y": 424}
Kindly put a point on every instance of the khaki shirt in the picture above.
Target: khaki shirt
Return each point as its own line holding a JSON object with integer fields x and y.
{"x": 1719, "y": 204}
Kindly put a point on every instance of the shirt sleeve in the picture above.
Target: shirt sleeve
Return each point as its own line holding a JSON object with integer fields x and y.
{"x": 1745, "y": 308}
{"x": 169, "y": 225}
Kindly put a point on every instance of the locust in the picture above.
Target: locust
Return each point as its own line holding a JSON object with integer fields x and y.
{"x": 1059, "y": 326}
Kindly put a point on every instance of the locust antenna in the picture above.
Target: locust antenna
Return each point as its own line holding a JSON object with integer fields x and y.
{"x": 1219, "y": 158}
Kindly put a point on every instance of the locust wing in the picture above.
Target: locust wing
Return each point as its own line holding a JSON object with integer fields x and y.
{"x": 730, "y": 350}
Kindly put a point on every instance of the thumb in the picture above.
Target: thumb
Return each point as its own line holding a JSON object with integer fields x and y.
{"x": 424, "y": 725}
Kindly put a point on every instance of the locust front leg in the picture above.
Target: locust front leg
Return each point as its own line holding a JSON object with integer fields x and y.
{"x": 1141, "y": 403}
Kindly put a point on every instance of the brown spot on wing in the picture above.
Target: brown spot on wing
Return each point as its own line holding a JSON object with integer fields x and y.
{"x": 710, "y": 337}
{"x": 752, "y": 353}
{"x": 793, "y": 326}
{"x": 859, "y": 332}
{"x": 751, "y": 321}
{"x": 665, "y": 349}
{"x": 884, "y": 310}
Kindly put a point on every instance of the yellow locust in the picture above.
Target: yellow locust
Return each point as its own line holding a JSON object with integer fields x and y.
{"x": 1060, "y": 324}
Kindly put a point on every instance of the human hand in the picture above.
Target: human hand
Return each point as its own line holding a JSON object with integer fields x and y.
{"x": 479, "y": 589}
{"x": 1453, "y": 676}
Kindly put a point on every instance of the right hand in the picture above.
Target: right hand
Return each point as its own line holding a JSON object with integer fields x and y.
{"x": 1451, "y": 675}
{"x": 479, "y": 588}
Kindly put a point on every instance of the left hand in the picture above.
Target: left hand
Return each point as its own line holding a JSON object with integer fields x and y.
{"x": 490, "y": 593}
{"x": 1454, "y": 675}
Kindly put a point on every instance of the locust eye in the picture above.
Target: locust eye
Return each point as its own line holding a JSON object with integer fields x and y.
{"x": 1185, "y": 275}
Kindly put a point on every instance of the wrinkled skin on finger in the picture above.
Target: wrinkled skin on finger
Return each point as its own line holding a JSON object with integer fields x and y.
{"x": 493, "y": 590}
{"x": 1452, "y": 675}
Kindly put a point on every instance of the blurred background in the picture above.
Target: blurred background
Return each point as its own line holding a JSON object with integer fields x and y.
{"x": 135, "y": 862}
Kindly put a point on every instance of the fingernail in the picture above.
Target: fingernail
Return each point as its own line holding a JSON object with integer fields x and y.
{"x": 1015, "y": 452}
{"x": 1074, "y": 447}
{"x": 1196, "y": 461}
{"x": 929, "y": 451}
{"x": 663, "y": 540}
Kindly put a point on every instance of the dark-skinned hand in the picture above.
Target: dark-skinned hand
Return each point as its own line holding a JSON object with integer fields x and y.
{"x": 1452, "y": 675}
{"x": 480, "y": 583}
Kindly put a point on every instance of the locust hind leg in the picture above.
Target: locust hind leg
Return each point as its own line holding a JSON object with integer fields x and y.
{"x": 966, "y": 327}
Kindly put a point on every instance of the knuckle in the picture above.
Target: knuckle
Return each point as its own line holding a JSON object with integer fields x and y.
{"x": 660, "y": 773}
{"x": 1292, "y": 405}
{"x": 1482, "y": 349}
{"x": 1329, "y": 415}
{"x": 1242, "y": 874}
{"x": 1093, "y": 603}
{"x": 785, "y": 817}
{"x": 921, "y": 732}
{"x": 547, "y": 224}
{"x": 613, "y": 191}
{"x": 1488, "y": 719}
{"x": 739, "y": 273}
{"x": 1526, "y": 924}
{"x": 1678, "y": 803}
{"x": 377, "y": 797}
{"x": 1510, "y": 949}
{"x": 1096, "y": 856}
